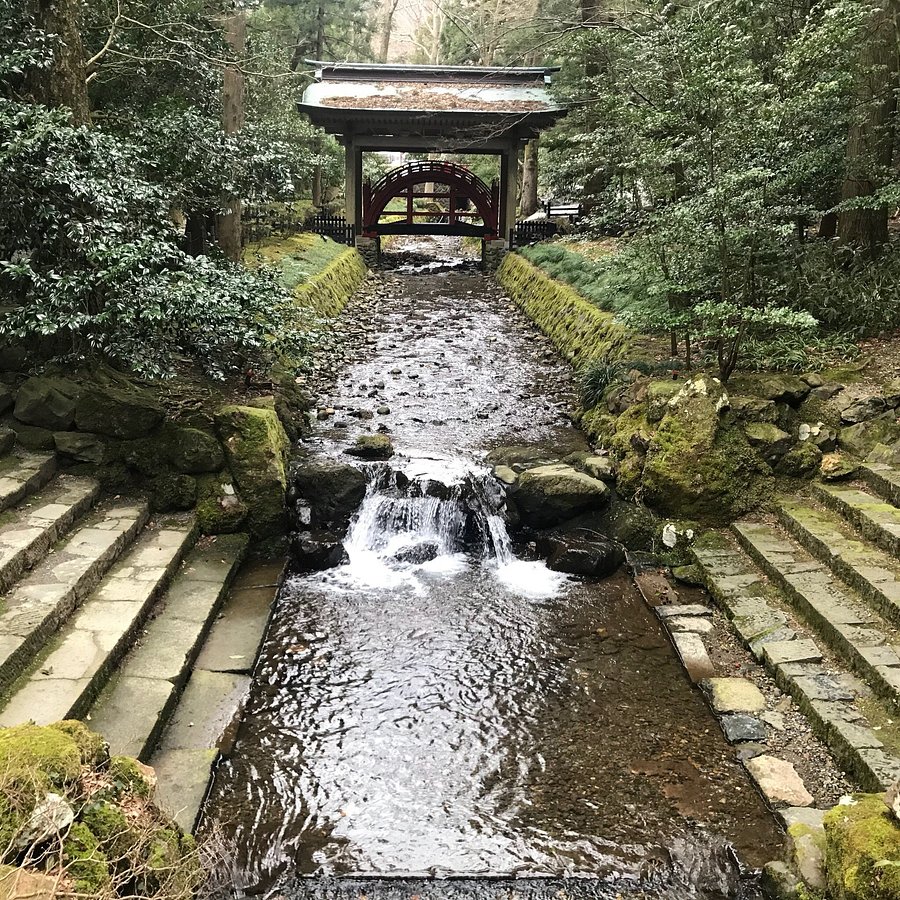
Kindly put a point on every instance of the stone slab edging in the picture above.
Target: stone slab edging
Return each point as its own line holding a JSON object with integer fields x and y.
{"x": 579, "y": 330}
{"x": 737, "y": 703}
{"x": 328, "y": 291}
{"x": 789, "y": 654}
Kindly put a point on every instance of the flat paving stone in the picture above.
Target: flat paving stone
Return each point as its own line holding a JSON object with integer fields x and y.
{"x": 693, "y": 655}
{"x": 695, "y": 624}
{"x": 129, "y": 713}
{"x": 794, "y": 651}
{"x": 735, "y": 695}
{"x": 739, "y": 727}
{"x": 878, "y": 519}
{"x": 183, "y": 781}
{"x": 779, "y": 781}
{"x": 683, "y": 609}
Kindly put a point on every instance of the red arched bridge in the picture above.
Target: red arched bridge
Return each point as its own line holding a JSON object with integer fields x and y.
{"x": 459, "y": 202}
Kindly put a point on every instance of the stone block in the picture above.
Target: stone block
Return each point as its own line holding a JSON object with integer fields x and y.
{"x": 797, "y": 651}
{"x": 735, "y": 695}
{"x": 739, "y": 727}
{"x": 779, "y": 781}
{"x": 693, "y": 655}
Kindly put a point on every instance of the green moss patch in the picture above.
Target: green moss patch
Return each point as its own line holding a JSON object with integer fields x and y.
{"x": 862, "y": 850}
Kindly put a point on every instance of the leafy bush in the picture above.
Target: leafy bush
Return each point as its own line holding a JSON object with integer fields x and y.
{"x": 597, "y": 377}
{"x": 90, "y": 262}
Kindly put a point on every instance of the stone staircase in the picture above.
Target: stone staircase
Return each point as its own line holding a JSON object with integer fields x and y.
{"x": 814, "y": 591}
{"x": 103, "y": 608}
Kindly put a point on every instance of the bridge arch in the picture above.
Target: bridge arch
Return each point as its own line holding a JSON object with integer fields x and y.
{"x": 463, "y": 187}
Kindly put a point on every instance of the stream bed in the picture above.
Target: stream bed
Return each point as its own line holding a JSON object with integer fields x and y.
{"x": 443, "y": 705}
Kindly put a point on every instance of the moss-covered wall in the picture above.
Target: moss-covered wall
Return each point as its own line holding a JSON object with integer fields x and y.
{"x": 579, "y": 329}
{"x": 328, "y": 291}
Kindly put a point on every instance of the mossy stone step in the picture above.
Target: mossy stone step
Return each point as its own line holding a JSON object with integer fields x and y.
{"x": 62, "y": 684}
{"x": 22, "y": 474}
{"x": 133, "y": 710}
{"x": 883, "y": 479}
{"x": 839, "y": 615}
{"x": 830, "y": 699}
{"x": 872, "y": 572}
{"x": 28, "y": 531}
{"x": 877, "y": 519}
{"x": 42, "y": 602}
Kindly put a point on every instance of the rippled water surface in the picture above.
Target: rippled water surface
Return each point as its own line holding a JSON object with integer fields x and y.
{"x": 473, "y": 714}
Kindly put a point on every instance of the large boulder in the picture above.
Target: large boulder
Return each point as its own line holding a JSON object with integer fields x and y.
{"x": 577, "y": 554}
{"x": 780, "y": 387}
{"x": 699, "y": 466}
{"x": 548, "y": 495}
{"x": 192, "y": 451}
{"x": 84, "y": 447}
{"x": 769, "y": 440}
{"x": 117, "y": 410}
{"x": 171, "y": 491}
{"x": 861, "y": 439}
{"x": 372, "y": 447}
{"x": 47, "y": 403}
{"x": 862, "y": 850}
{"x": 333, "y": 490}
{"x": 256, "y": 447}
{"x": 314, "y": 551}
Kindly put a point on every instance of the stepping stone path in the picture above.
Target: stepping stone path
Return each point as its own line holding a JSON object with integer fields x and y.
{"x": 815, "y": 594}
{"x": 125, "y": 621}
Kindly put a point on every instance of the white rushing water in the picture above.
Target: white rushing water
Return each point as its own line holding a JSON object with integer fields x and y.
{"x": 430, "y": 520}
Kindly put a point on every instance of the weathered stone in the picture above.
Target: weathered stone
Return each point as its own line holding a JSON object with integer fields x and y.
{"x": 735, "y": 695}
{"x": 601, "y": 467}
{"x": 171, "y": 492}
{"x": 801, "y": 461}
{"x": 33, "y": 438}
{"x": 659, "y": 393}
{"x": 581, "y": 556}
{"x": 549, "y": 495}
{"x": 739, "y": 727}
{"x": 47, "y": 403}
{"x": 219, "y": 508}
{"x": 505, "y": 474}
{"x": 780, "y": 652}
{"x": 782, "y": 388}
{"x": 314, "y": 552}
{"x": 372, "y": 446}
{"x": 18, "y": 883}
{"x": 806, "y": 840}
{"x": 698, "y": 466}
{"x": 862, "y": 850}
{"x": 50, "y": 818}
{"x": 754, "y": 409}
{"x": 92, "y": 448}
{"x": 332, "y": 489}
{"x": 779, "y": 781}
{"x": 191, "y": 451}
{"x": 695, "y": 624}
{"x": 519, "y": 457}
{"x": 861, "y": 439}
{"x": 691, "y": 575}
{"x": 118, "y": 411}
{"x": 7, "y": 440}
{"x": 256, "y": 448}
{"x": 837, "y": 467}
{"x": 891, "y": 393}
{"x": 861, "y": 409}
{"x": 693, "y": 655}
{"x": 778, "y": 882}
{"x": 768, "y": 439}
{"x": 886, "y": 454}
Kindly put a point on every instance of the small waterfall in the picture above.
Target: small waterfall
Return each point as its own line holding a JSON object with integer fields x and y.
{"x": 412, "y": 524}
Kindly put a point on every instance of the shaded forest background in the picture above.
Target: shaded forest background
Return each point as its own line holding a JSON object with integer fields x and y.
{"x": 744, "y": 155}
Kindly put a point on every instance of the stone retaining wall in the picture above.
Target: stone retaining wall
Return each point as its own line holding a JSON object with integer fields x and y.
{"x": 580, "y": 331}
{"x": 328, "y": 291}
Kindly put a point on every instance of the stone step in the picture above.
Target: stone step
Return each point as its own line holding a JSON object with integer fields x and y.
{"x": 883, "y": 479}
{"x": 133, "y": 710}
{"x": 205, "y": 723}
{"x": 62, "y": 682}
{"x": 876, "y": 519}
{"x": 874, "y": 574}
{"x": 856, "y": 726}
{"x": 29, "y": 531}
{"x": 22, "y": 474}
{"x": 854, "y": 631}
{"x": 43, "y": 601}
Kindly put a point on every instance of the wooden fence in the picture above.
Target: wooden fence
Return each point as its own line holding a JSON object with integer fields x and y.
{"x": 531, "y": 231}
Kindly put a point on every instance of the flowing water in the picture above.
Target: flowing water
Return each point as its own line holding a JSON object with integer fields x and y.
{"x": 443, "y": 705}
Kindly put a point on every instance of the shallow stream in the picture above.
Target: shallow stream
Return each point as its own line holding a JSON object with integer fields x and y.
{"x": 442, "y": 706}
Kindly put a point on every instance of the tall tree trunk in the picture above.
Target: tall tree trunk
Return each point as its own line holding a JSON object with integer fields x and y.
{"x": 229, "y": 224}
{"x": 388, "y": 8}
{"x": 318, "y": 178}
{"x": 64, "y": 82}
{"x": 870, "y": 140}
{"x": 529, "y": 202}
